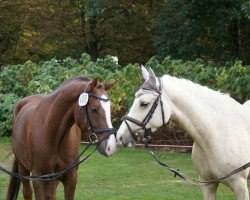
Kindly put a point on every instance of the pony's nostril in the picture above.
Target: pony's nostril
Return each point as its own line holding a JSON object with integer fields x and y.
{"x": 120, "y": 139}
{"x": 109, "y": 149}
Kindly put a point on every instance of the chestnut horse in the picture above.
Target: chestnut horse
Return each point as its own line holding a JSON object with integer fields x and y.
{"x": 46, "y": 134}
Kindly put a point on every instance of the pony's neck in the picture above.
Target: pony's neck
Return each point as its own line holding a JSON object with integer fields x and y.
{"x": 196, "y": 108}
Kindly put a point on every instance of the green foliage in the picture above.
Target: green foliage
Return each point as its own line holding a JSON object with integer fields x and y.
{"x": 7, "y": 102}
{"x": 18, "y": 81}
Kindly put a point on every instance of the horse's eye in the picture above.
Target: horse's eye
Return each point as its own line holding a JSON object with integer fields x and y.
{"x": 144, "y": 105}
{"x": 93, "y": 110}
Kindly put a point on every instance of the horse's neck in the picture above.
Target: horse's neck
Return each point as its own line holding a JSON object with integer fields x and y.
{"x": 60, "y": 110}
{"x": 196, "y": 108}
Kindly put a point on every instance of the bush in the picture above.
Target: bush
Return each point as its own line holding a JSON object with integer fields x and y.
{"x": 18, "y": 81}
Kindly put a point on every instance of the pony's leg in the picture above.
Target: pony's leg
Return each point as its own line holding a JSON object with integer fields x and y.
{"x": 69, "y": 181}
{"x": 209, "y": 191}
{"x": 240, "y": 189}
{"x": 45, "y": 190}
{"x": 27, "y": 191}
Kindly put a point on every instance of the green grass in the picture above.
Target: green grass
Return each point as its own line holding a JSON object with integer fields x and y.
{"x": 129, "y": 174}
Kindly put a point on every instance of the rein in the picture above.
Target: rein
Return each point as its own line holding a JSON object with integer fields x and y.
{"x": 187, "y": 178}
{"x": 56, "y": 175}
{"x": 147, "y": 131}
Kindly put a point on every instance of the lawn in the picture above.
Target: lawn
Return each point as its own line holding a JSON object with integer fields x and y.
{"x": 129, "y": 174}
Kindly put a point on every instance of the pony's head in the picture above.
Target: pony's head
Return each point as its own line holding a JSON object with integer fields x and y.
{"x": 94, "y": 113}
{"x": 147, "y": 112}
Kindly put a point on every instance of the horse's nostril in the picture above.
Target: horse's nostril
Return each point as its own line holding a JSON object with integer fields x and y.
{"x": 120, "y": 139}
{"x": 109, "y": 149}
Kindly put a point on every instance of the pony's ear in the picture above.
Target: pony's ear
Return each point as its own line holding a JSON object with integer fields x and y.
{"x": 144, "y": 73}
{"x": 93, "y": 84}
{"x": 153, "y": 79}
{"x": 109, "y": 85}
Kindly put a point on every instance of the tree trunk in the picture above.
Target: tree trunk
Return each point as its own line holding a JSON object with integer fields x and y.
{"x": 92, "y": 49}
{"x": 235, "y": 38}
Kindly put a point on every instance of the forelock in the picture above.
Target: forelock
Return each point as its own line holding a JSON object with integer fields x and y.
{"x": 148, "y": 86}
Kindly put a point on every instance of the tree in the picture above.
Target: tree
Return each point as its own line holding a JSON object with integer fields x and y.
{"x": 204, "y": 29}
{"x": 121, "y": 28}
{"x": 10, "y": 29}
{"x": 37, "y": 30}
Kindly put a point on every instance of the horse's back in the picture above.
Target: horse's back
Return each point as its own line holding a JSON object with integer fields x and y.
{"x": 34, "y": 99}
{"x": 246, "y": 111}
{"x": 247, "y": 106}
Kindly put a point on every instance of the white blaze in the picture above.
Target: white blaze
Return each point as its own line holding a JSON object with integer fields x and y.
{"x": 111, "y": 142}
{"x": 106, "y": 108}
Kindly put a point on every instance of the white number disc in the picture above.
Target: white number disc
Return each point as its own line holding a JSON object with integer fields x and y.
{"x": 83, "y": 99}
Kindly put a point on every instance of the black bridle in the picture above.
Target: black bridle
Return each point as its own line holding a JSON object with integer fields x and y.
{"x": 146, "y": 131}
{"x": 93, "y": 131}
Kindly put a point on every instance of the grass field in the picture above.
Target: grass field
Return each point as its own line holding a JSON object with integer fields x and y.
{"x": 129, "y": 174}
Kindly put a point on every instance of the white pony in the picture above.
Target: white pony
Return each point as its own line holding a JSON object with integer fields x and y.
{"x": 219, "y": 126}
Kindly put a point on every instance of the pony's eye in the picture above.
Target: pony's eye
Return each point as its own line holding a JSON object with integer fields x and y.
{"x": 144, "y": 105}
{"x": 94, "y": 110}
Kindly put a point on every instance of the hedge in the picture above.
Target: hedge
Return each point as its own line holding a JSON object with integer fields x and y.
{"x": 18, "y": 81}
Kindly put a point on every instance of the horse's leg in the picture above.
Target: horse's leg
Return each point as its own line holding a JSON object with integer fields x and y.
{"x": 38, "y": 190}
{"x": 45, "y": 190}
{"x": 209, "y": 191}
{"x": 240, "y": 189}
{"x": 27, "y": 191}
{"x": 69, "y": 181}
{"x": 54, "y": 185}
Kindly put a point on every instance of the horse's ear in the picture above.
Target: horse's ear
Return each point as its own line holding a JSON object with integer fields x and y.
{"x": 153, "y": 79}
{"x": 145, "y": 73}
{"x": 109, "y": 85}
{"x": 93, "y": 84}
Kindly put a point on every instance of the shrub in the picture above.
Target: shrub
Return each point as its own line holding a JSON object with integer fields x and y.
{"x": 18, "y": 81}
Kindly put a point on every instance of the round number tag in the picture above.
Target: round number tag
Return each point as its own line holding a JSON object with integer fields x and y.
{"x": 83, "y": 99}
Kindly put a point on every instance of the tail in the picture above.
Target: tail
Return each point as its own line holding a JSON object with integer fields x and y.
{"x": 14, "y": 184}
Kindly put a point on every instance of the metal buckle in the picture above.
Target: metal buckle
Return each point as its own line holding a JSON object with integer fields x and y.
{"x": 143, "y": 135}
{"x": 93, "y": 137}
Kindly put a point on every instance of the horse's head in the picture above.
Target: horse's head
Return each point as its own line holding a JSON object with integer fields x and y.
{"x": 147, "y": 112}
{"x": 95, "y": 113}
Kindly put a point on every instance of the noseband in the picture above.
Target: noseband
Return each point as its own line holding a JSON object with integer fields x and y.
{"x": 93, "y": 131}
{"x": 146, "y": 131}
